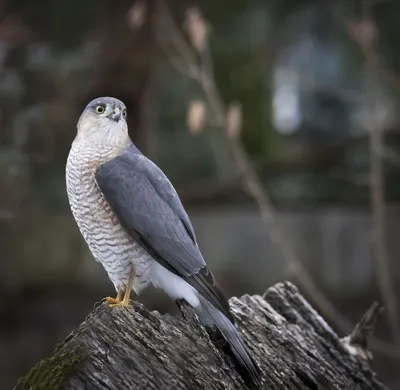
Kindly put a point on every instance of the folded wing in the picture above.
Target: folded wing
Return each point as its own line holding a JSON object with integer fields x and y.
{"x": 149, "y": 209}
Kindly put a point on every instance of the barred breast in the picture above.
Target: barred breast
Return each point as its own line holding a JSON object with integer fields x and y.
{"x": 107, "y": 240}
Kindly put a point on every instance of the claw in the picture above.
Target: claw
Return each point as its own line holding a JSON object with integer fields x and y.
{"x": 123, "y": 303}
{"x": 112, "y": 301}
{"x": 122, "y": 299}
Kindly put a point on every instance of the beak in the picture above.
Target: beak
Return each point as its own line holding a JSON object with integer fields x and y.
{"x": 116, "y": 115}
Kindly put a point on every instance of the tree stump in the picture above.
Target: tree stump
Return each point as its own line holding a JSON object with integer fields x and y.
{"x": 132, "y": 348}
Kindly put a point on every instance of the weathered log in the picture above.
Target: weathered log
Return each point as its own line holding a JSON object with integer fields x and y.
{"x": 136, "y": 349}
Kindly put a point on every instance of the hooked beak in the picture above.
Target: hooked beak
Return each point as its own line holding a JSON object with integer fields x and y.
{"x": 116, "y": 115}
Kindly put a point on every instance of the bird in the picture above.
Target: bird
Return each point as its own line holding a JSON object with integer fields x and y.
{"x": 135, "y": 225}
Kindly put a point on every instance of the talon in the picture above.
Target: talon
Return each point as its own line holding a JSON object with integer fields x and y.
{"x": 112, "y": 301}
{"x": 123, "y": 303}
{"x": 122, "y": 299}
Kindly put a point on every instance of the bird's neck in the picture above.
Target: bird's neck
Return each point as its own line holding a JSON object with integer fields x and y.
{"x": 89, "y": 154}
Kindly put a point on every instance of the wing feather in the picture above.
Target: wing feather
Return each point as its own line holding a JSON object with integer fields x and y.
{"x": 148, "y": 207}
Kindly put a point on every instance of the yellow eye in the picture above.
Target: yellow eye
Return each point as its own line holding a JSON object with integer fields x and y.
{"x": 124, "y": 113}
{"x": 100, "y": 109}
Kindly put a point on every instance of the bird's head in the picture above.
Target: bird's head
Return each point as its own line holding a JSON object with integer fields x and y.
{"x": 103, "y": 122}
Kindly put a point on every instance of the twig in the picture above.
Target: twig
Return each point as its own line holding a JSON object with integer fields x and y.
{"x": 366, "y": 325}
{"x": 364, "y": 33}
{"x": 194, "y": 66}
{"x": 377, "y": 190}
{"x": 357, "y": 341}
{"x": 165, "y": 30}
{"x": 379, "y": 222}
{"x": 253, "y": 186}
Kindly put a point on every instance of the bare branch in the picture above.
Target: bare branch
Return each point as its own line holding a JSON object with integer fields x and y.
{"x": 252, "y": 184}
{"x": 377, "y": 179}
{"x": 169, "y": 37}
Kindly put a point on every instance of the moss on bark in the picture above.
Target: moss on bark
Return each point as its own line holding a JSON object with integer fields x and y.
{"x": 52, "y": 373}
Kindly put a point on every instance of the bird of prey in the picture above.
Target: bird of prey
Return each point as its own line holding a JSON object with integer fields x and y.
{"x": 134, "y": 223}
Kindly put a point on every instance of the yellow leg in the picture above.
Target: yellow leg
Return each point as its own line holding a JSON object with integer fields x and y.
{"x": 113, "y": 301}
{"x": 125, "y": 301}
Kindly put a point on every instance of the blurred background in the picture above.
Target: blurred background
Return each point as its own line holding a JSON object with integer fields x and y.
{"x": 277, "y": 121}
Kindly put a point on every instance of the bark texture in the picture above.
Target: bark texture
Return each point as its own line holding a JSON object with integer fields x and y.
{"x": 136, "y": 349}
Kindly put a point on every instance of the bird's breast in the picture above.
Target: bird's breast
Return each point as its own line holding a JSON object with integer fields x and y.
{"x": 96, "y": 221}
{"x": 100, "y": 227}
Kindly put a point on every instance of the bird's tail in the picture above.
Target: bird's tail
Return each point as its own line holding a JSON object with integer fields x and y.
{"x": 210, "y": 315}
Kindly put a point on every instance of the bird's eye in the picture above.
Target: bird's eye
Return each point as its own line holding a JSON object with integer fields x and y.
{"x": 124, "y": 113}
{"x": 100, "y": 109}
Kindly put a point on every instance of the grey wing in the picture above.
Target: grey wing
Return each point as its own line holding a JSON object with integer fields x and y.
{"x": 149, "y": 209}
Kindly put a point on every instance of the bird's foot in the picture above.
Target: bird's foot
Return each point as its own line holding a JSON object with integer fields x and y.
{"x": 122, "y": 303}
{"x": 112, "y": 301}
